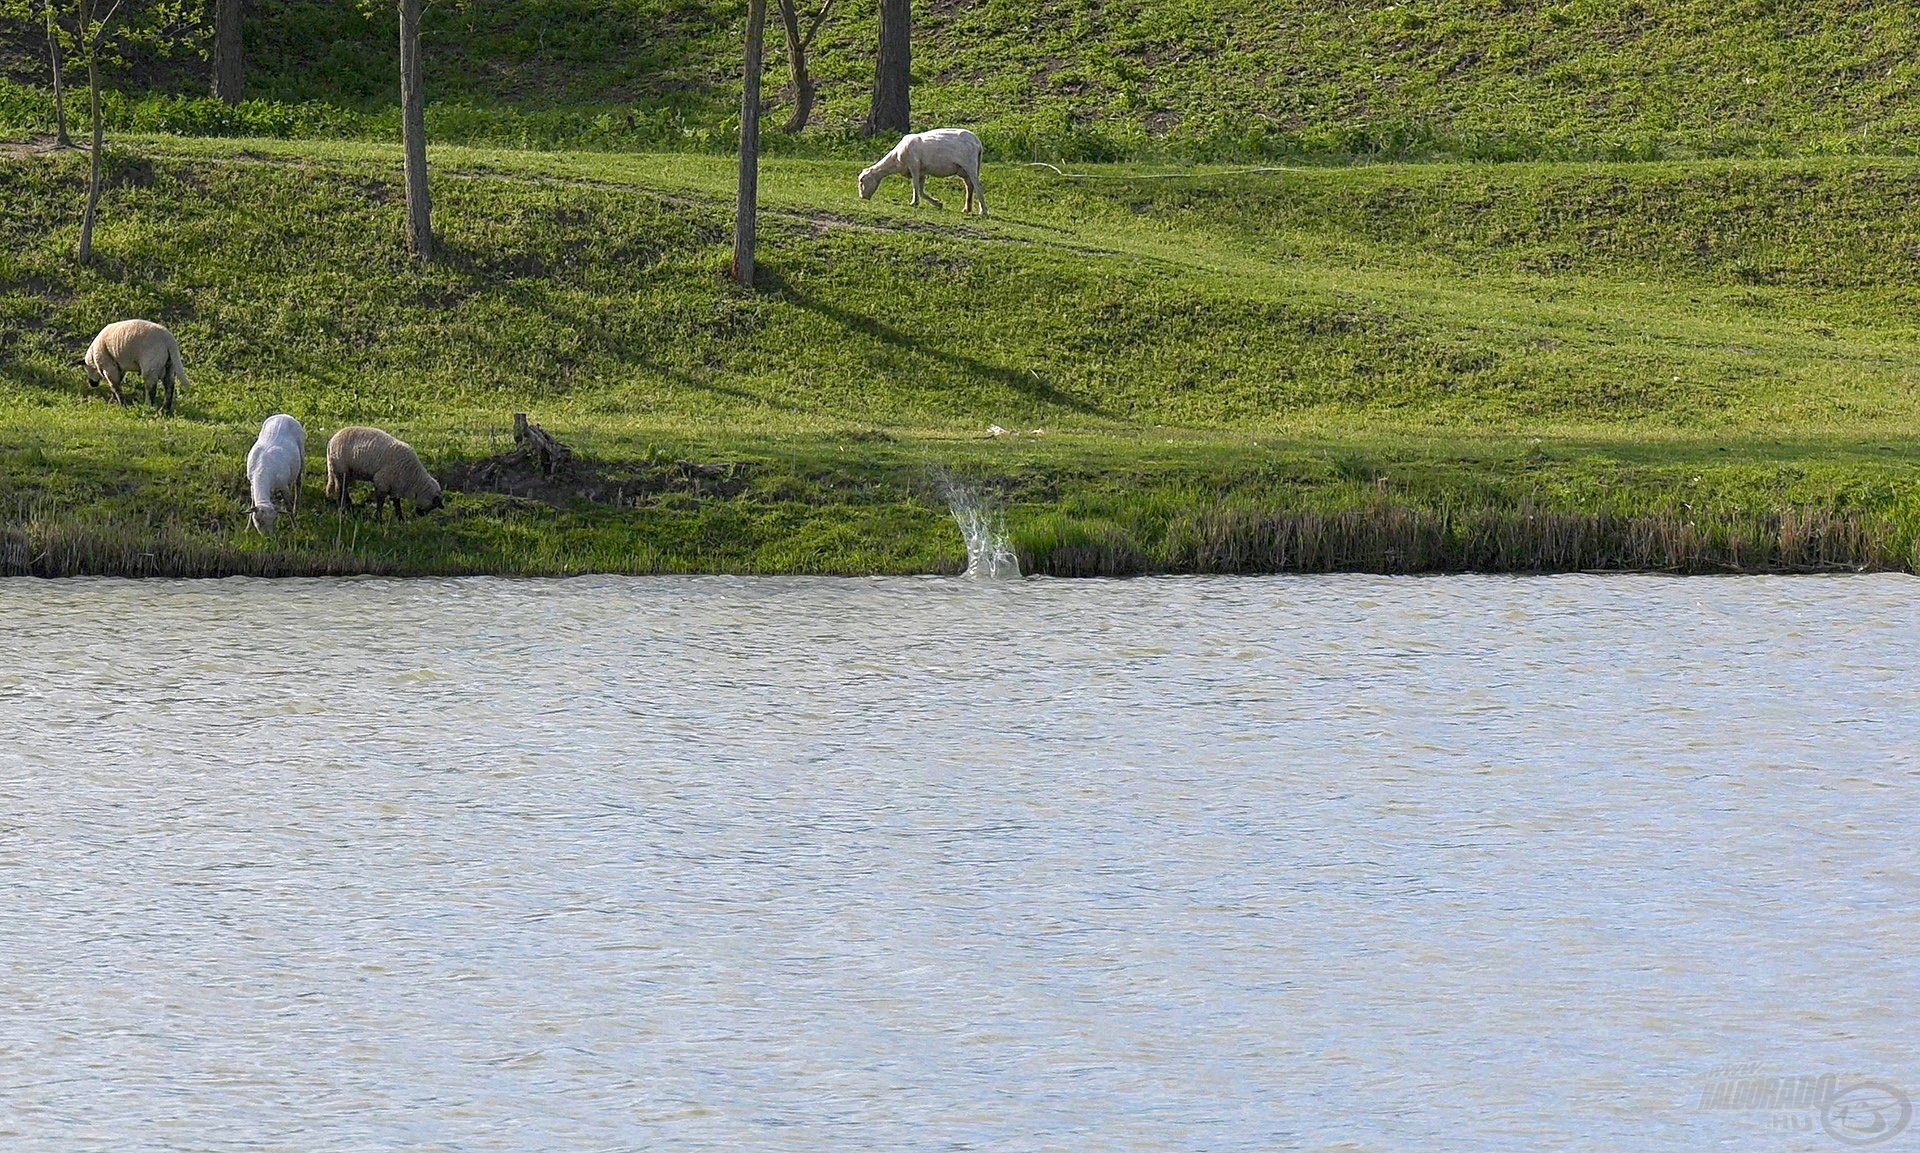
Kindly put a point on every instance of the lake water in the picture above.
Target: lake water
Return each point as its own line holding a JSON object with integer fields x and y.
{"x": 1352, "y": 862}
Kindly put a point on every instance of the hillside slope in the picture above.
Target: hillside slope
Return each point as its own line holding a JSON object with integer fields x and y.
{"x": 1085, "y": 80}
{"x": 1725, "y": 296}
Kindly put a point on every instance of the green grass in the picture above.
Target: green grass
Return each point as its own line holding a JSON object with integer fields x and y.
{"x": 1700, "y": 366}
{"x": 1052, "y": 79}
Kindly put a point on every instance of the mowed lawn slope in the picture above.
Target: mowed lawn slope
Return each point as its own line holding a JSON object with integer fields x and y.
{"x": 1197, "y": 372}
{"x": 1049, "y": 79}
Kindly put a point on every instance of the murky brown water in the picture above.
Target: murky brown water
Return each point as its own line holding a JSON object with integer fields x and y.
{"x": 913, "y": 864}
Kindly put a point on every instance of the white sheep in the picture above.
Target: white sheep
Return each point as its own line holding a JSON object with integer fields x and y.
{"x": 126, "y": 345}
{"x": 275, "y": 465}
{"x": 941, "y": 152}
{"x": 391, "y": 465}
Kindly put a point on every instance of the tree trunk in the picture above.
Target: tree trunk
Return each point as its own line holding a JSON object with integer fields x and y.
{"x": 745, "y": 211}
{"x": 59, "y": 90}
{"x": 891, "y": 112}
{"x": 93, "y": 176}
{"x": 413, "y": 133}
{"x": 802, "y": 87}
{"x": 229, "y": 60}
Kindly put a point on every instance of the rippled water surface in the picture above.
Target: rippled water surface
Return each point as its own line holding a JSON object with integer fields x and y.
{"x": 1359, "y": 863}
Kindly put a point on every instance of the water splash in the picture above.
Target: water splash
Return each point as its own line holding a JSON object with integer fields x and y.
{"x": 990, "y": 554}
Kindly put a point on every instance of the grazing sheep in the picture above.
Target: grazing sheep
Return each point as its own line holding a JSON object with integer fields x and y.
{"x": 274, "y": 465}
{"x": 392, "y": 465}
{"x": 941, "y": 152}
{"x": 126, "y": 345}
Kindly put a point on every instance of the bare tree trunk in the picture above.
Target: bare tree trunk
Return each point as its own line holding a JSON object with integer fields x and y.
{"x": 413, "y": 132}
{"x": 59, "y": 90}
{"x": 802, "y": 87}
{"x": 93, "y": 176}
{"x": 745, "y": 211}
{"x": 892, "y": 70}
{"x": 229, "y": 57}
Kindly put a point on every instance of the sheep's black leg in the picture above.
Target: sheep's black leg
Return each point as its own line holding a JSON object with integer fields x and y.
{"x": 169, "y": 396}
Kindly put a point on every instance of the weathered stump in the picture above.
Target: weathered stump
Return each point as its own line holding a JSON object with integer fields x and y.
{"x": 547, "y": 450}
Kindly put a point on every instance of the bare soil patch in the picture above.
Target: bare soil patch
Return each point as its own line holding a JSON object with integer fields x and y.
{"x": 521, "y": 473}
{"x": 30, "y": 146}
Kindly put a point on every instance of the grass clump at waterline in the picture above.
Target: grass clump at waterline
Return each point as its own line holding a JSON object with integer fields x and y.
{"x": 1540, "y": 367}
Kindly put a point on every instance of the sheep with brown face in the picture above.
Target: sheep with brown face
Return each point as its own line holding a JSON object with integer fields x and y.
{"x": 390, "y": 464}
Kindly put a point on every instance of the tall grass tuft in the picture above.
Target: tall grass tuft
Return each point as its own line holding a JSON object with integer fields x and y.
{"x": 45, "y": 543}
{"x": 1390, "y": 537}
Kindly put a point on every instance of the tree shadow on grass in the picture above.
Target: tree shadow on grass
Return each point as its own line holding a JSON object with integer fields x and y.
{"x": 36, "y": 375}
{"x": 638, "y": 354}
{"x": 1028, "y": 383}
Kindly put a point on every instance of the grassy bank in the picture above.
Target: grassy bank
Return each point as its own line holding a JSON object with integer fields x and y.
{"x": 1064, "y": 79}
{"x": 1704, "y": 366}
{"x": 1085, "y": 506}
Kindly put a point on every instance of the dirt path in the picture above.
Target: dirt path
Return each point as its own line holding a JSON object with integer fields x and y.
{"x": 31, "y": 146}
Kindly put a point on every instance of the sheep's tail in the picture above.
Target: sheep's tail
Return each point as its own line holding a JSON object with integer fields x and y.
{"x": 333, "y": 480}
{"x": 177, "y": 367}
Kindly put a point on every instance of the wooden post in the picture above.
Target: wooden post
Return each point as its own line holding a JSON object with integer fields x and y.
{"x": 747, "y": 208}
{"x": 93, "y": 171}
{"x": 891, "y": 109}
{"x": 802, "y": 87}
{"x": 229, "y": 67}
{"x": 413, "y": 132}
{"x": 59, "y": 88}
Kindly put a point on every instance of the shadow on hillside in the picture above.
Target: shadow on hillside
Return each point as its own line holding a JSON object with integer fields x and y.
{"x": 688, "y": 380}
{"x": 627, "y": 350}
{"x": 35, "y": 375}
{"x": 1028, "y": 383}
